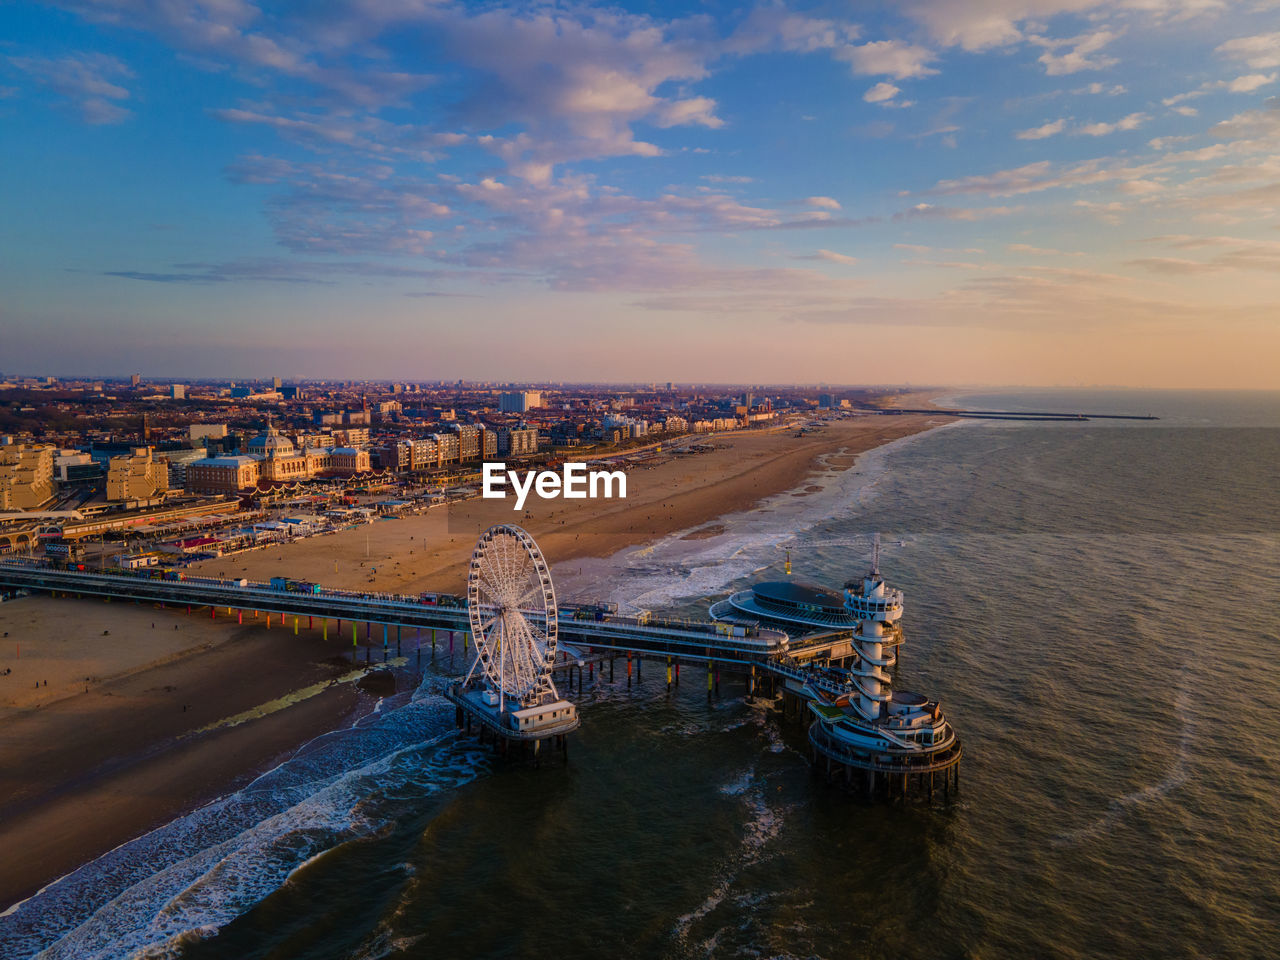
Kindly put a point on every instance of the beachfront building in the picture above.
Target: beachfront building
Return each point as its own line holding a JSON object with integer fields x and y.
{"x": 273, "y": 459}
{"x": 26, "y": 475}
{"x": 137, "y": 476}
{"x": 517, "y": 442}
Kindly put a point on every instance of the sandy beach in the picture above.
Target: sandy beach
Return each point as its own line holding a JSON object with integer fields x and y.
{"x": 129, "y": 730}
{"x": 431, "y": 551}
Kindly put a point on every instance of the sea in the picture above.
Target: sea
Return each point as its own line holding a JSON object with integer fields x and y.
{"x": 1095, "y": 605}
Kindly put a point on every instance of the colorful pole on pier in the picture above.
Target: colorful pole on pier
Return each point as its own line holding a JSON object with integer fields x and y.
{"x": 295, "y": 626}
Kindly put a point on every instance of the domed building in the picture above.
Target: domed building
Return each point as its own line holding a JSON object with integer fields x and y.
{"x": 273, "y": 458}
{"x": 271, "y": 443}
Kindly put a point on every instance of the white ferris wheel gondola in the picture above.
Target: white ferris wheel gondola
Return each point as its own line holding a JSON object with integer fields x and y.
{"x": 512, "y": 607}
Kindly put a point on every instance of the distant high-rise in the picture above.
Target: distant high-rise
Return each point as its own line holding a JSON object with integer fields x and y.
{"x": 275, "y": 383}
{"x": 134, "y": 379}
{"x": 178, "y": 391}
{"x": 826, "y": 400}
{"x": 519, "y": 402}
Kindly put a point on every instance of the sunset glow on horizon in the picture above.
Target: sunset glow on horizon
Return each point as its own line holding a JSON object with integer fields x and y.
{"x": 1042, "y": 192}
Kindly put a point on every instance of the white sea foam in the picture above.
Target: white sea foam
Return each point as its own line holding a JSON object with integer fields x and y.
{"x": 183, "y": 881}
{"x": 673, "y": 570}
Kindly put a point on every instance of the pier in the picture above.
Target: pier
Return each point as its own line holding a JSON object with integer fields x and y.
{"x": 522, "y": 639}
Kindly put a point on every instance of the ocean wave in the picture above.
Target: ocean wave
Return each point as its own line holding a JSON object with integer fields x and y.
{"x": 183, "y": 881}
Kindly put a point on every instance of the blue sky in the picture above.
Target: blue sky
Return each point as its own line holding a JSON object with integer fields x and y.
{"x": 1001, "y": 191}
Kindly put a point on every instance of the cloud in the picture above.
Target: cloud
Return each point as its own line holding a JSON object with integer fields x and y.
{"x": 881, "y": 92}
{"x": 1172, "y": 265}
{"x": 718, "y": 178}
{"x": 1042, "y": 175}
{"x": 1042, "y": 131}
{"x": 1261, "y": 51}
{"x": 823, "y": 203}
{"x": 1250, "y": 82}
{"x": 1187, "y": 111}
{"x": 1131, "y": 122}
{"x": 89, "y": 81}
{"x": 1079, "y": 53}
{"x": 1141, "y": 188}
{"x": 829, "y": 255}
{"x": 1039, "y": 251}
{"x": 892, "y": 58}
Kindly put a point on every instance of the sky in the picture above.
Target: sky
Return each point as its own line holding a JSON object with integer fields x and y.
{"x": 1052, "y": 192}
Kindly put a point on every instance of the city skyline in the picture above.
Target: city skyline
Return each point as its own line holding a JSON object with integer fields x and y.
{"x": 1049, "y": 192}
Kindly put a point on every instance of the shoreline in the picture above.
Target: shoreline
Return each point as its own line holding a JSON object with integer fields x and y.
{"x": 182, "y": 761}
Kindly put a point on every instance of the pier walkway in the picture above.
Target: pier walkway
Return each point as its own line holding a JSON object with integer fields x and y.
{"x": 701, "y": 641}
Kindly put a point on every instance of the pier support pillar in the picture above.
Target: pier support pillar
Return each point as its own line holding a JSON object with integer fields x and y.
{"x": 628, "y": 669}
{"x": 668, "y": 674}
{"x": 708, "y": 679}
{"x": 240, "y": 616}
{"x": 295, "y": 626}
{"x": 325, "y": 627}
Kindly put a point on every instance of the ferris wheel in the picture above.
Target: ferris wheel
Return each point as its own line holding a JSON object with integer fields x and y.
{"x": 512, "y": 606}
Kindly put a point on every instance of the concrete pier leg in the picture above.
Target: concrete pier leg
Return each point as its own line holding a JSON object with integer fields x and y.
{"x": 639, "y": 664}
{"x": 354, "y": 642}
{"x": 708, "y": 680}
{"x": 668, "y": 674}
{"x": 295, "y": 626}
{"x": 325, "y": 628}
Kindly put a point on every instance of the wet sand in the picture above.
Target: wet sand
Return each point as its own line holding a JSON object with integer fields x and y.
{"x": 82, "y": 772}
{"x": 106, "y": 750}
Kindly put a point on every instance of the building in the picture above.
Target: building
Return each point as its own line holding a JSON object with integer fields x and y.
{"x": 517, "y": 442}
{"x": 447, "y": 448}
{"x": 137, "y": 476}
{"x": 26, "y": 476}
{"x": 519, "y": 402}
{"x": 273, "y": 458}
{"x": 348, "y": 460}
{"x": 223, "y": 474}
{"x": 178, "y": 391}
{"x": 75, "y": 466}
{"x": 202, "y": 431}
{"x": 826, "y": 400}
{"x": 134, "y": 379}
{"x": 351, "y": 437}
{"x": 468, "y": 435}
